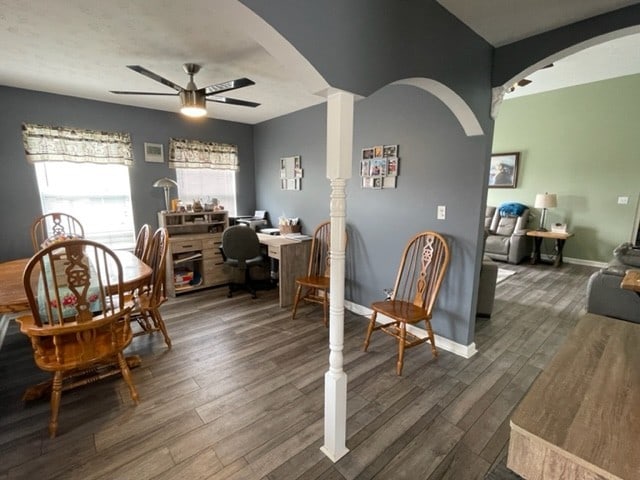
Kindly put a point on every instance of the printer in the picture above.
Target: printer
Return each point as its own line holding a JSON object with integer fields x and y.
{"x": 256, "y": 222}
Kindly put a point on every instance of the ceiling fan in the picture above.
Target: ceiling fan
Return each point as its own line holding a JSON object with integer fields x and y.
{"x": 194, "y": 99}
{"x": 524, "y": 82}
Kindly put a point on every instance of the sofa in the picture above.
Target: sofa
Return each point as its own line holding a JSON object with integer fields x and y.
{"x": 604, "y": 295}
{"x": 506, "y": 237}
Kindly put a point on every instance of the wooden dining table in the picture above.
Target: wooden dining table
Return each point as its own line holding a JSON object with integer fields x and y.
{"x": 13, "y": 298}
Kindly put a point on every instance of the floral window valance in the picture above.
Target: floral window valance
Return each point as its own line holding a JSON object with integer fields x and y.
{"x": 195, "y": 154}
{"x": 43, "y": 143}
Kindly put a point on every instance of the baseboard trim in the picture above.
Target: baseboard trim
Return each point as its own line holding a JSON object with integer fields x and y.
{"x": 588, "y": 263}
{"x": 466, "y": 351}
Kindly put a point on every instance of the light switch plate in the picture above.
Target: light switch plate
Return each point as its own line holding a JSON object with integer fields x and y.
{"x": 442, "y": 212}
{"x": 623, "y": 200}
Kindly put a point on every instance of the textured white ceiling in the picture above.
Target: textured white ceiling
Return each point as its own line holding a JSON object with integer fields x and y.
{"x": 81, "y": 48}
{"x": 505, "y": 21}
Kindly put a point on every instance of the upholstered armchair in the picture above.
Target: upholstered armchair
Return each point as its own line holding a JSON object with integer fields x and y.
{"x": 506, "y": 238}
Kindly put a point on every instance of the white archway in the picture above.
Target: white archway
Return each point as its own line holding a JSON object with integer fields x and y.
{"x": 499, "y": 92}
{"x": 451, "y": 99}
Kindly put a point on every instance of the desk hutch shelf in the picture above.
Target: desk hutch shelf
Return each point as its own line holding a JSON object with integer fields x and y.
{"x": 194, "y": 260}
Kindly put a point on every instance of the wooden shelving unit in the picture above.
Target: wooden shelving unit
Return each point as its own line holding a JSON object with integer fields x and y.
{"x": 194, "y": 260}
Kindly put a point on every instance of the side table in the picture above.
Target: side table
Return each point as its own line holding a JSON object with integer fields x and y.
{"x": 631, "y": 281}
{"x": 538, "y": 235}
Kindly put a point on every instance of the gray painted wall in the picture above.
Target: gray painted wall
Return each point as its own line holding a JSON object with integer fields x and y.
{"x": 19, "y": 200}
{"x": 439, "y": 165}
{"x": 362, "y": 45}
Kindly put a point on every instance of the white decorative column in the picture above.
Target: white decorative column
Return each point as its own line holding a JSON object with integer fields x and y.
{"x": 339, "y": 153}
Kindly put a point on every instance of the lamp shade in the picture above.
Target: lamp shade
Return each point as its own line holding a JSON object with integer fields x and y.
{"x": 166, "y": 184}
{"x": 546, "y": 200}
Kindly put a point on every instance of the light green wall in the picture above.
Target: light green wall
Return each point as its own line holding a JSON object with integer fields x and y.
{"x": 582, "y": 143}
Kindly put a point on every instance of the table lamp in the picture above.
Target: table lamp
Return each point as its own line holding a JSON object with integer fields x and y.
{"x": 165, "y": 183}
{"x": 544, "y": 201}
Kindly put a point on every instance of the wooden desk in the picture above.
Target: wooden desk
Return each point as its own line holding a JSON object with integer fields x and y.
{"x": 538, "y": 235}
{"x": 13, "y": 298}
{"x": 580, "y": 417}
{"x": 293, "y": 261}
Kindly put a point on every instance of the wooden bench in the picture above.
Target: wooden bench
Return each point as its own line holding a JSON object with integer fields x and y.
{"x": 581, "y": 417}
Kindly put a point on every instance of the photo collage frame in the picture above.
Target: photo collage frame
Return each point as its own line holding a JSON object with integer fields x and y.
{"x": 379, "y": 167}
{"x": 291, "y": 173}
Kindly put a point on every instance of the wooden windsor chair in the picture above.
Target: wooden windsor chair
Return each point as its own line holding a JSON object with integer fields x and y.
{"x": 314, "y": 287}
{"x": 149, "y": 297}
{"x": 423, "y": 265}
{"x": 142, "y": 242}
{"x": 79, "y": 322}
{"x": 54, "y": 227}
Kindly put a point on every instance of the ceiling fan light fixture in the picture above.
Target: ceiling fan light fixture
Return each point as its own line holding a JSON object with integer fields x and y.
{"x": 193, "y": 103}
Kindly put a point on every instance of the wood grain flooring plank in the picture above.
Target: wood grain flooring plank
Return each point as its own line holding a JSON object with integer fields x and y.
{"x": 200, "y": 467}
{"x": 308, "y": 464}
{"x": 391, "y": 425}
{"x": 498, "y": 442}
{"x": 200, "y": 438}
{"x": 288, "y": 443}
{"x": 237, "y": 365}
{"x": 287, "y": 421}
{"x": 90, "y": 468}
{"x": 469, "y": 398}
{"x": 399, "y": 446}
{"x": 477, "y": 437}
{"x": 460, "y": 463}
{"x": 147, "y": 466}
{"x": 423, "y": 454}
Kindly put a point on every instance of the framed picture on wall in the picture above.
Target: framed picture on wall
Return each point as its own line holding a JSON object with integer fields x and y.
{"x": 503, "y": 170}
{"x": 153, "y": 152}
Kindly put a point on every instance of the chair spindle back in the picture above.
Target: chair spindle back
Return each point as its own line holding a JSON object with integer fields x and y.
{"x": 422, "y": 268}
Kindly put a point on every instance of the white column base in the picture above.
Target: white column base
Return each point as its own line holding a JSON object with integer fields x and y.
{"x": 335, "y": 415}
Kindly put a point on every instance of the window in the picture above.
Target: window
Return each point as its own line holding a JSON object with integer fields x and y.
{"x": 204, "y": 184}
{"x": 98, "y": 195}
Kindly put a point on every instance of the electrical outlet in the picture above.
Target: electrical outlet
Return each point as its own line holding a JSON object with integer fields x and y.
{"x": 442, "y": 212}
{"x": 623, "y": 200}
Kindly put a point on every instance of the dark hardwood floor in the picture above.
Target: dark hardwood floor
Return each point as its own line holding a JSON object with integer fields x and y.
{"x": 240, "y": 395}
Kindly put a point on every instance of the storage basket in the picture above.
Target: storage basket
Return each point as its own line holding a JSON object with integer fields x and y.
{"x": 284, "y": 229}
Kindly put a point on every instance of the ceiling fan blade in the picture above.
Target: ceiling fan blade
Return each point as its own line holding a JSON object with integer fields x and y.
{"x": 233, "y": 101}
{"x": 524, "y": 82}
{"x": 226, "y": 86}
{"x": 121, "y": 92}
{"x": 155, "y": 76}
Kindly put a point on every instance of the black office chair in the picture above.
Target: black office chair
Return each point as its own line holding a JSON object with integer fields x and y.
{"x": 241, "y": 250}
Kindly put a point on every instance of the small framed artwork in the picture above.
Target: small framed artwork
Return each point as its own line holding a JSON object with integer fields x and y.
{"x": 291, "y": 173}
{"x": 503, "y": 170}
{"x": 153, "y": 152}
{"x": 392, "y": 166}
{"x": 377, "y": 151}
{"x": 389, "y": 182}
{"x": 378, "y": 167}
{"x": 364, "y": 168}
{"x": 367, "y": 182}
{"x": 367, "y": 153}
{"x": 390, "y": 150}
{"x": 377, "y": 183}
